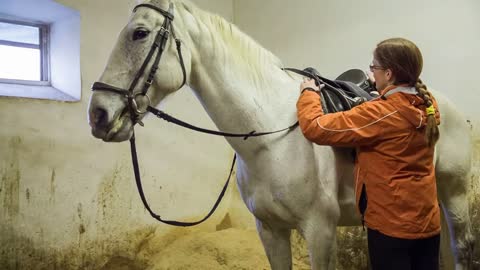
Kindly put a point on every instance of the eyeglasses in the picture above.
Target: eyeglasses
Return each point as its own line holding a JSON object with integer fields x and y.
{"x": 373, "y": 67}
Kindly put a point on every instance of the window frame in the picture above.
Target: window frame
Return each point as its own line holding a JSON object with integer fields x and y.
{"x": 44, "y": 47}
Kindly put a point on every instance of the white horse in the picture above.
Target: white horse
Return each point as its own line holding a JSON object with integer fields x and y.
{"x": 286, "y": 181}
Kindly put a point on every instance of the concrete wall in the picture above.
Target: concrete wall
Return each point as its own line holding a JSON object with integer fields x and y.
{"x": 335, "y": 35}
{"x": 68, "y": 200}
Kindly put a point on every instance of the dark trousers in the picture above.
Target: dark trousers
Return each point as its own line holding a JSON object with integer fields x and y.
{"x": 390, "y": 253}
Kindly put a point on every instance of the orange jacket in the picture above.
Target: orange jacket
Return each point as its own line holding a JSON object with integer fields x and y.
{"x": 394, "y": 166}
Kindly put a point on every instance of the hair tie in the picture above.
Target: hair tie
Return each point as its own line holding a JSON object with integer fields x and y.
{"x": 430, "y": 110}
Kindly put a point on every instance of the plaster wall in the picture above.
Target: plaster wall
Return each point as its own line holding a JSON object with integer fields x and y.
{"x": 68, "y": 200}
{"x": 337, "y": 35}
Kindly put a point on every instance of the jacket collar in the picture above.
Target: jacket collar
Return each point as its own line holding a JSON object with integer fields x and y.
{"x": 404, "y": 88}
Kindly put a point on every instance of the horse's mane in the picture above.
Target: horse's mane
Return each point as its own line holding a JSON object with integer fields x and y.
{"x": 242, "y": 48}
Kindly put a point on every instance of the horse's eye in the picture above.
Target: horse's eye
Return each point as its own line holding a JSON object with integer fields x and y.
{"x": 140, "y": 34}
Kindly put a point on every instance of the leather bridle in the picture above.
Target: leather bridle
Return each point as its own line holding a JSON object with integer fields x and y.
{"x": 160, "y": 43}
{"x": 136, "y": 113}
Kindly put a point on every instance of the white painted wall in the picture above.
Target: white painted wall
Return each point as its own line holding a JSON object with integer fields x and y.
{"x": 335, "y": 35}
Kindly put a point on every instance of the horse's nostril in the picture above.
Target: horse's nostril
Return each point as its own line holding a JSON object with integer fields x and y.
{"x": 100, "y": 117}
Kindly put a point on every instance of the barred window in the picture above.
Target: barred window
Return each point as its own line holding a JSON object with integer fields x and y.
{"x": 24, "y": 52}
{"x": 39, "y": 50}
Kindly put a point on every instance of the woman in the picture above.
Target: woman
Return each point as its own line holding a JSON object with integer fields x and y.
{"x": 394, "y": 137}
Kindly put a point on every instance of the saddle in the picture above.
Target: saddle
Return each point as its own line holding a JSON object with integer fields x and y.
{"x": 351, "y": 88}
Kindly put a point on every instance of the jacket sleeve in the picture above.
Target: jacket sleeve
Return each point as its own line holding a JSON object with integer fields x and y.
{"x": 362, "y": 125}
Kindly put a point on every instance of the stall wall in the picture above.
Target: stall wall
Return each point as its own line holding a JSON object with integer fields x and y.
{"x": 68, "y": 200}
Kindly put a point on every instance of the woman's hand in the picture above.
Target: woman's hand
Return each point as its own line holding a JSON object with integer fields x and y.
{"x": 309, "y": 84}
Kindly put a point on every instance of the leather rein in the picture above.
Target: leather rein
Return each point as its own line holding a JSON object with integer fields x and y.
{"x": 136, "y": 113}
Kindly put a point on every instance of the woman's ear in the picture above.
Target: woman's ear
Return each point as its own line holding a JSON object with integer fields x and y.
{"x": 389, "y": 74}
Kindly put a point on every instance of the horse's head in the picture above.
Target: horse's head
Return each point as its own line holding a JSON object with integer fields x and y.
{"x": 131, "y": 81}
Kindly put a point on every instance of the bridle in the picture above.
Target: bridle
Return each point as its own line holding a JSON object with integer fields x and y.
{"x": 136, "y": 113}
{"x": 160, "y": 43}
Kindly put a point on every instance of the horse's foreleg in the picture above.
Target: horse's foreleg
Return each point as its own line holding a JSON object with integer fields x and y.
{"x": 456, "y": 213}
{"x": 276, "y": 242}
{"x": 320, "y": 234}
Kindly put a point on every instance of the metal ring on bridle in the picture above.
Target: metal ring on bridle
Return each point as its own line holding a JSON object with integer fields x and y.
{"x": 135, "y": 105}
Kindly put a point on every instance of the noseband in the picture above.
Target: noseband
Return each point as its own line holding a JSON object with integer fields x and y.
{"x": 160, "y": 43}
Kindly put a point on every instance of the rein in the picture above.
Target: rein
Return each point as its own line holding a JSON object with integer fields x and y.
{"x": 135, "y": 112}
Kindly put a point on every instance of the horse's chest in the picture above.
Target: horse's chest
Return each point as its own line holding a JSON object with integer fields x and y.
{"x": 276, "y": 199}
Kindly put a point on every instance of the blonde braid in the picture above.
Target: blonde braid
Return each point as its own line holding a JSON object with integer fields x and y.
{"x": 432, "y": 133}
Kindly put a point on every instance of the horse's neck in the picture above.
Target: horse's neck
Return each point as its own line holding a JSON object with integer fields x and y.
{"x": 239, "y": 96}
{"x": 236, "y": 104}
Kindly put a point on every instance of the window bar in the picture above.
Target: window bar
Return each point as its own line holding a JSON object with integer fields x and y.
{"x": 44, "y": 52}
